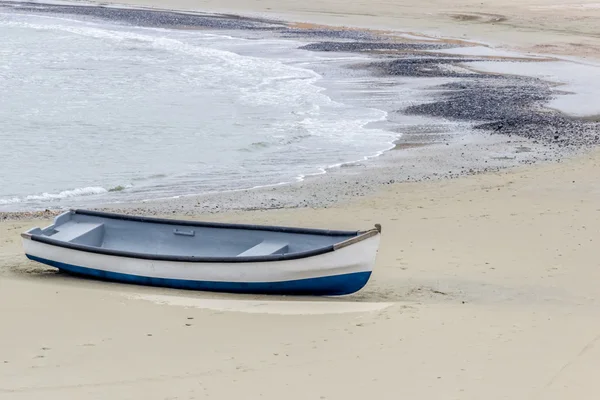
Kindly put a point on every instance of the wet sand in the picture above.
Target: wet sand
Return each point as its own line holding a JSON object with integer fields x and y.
{"x": 485, "y": 287}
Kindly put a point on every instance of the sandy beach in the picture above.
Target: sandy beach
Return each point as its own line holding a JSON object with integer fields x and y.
{"x": 486, "y": 286}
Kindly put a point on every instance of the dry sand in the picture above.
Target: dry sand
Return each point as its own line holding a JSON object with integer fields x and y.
{"x": 486, "y": 287}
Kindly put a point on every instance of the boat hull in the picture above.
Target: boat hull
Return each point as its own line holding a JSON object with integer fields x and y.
{"x": 341, "y": 272}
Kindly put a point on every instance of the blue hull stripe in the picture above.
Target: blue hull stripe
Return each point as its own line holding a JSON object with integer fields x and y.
{"x": 335, "y": 285}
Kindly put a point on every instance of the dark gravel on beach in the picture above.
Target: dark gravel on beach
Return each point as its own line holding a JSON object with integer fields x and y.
{"x": 325, "y": 33}
{"x": 357, "y": 47}
{"x": 27, "y": 215}
{"x": 149, "y": 18}
{"x": 509, "y": 105}
{"x": 500, "y": 104}
{"x": 426, "y": 67}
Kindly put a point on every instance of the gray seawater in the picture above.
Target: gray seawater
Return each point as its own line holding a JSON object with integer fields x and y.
{"x": 93, "y": 112}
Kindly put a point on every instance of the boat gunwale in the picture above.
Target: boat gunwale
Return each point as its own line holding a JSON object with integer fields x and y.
{"x": 359, "y": 236}
{"x": 224, "y": 225}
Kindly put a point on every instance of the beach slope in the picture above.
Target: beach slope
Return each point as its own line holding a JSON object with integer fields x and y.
{"x": 485, "y": 286}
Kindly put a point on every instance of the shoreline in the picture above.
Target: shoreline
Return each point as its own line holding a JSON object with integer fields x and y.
{"x": 336, "y": 186}
{"x": 494, "y": 154}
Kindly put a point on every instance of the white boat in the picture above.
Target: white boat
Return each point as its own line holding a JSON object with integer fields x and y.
{"x": 204, "y": 255}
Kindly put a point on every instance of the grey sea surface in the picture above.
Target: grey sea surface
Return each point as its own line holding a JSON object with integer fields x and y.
{"x": 94, "y": 111}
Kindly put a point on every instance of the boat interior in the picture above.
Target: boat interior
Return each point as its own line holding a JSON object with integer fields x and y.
{"x": 159, "y": 238}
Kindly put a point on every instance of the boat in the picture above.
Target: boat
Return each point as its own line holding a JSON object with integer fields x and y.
{"x": 206, "y": 256}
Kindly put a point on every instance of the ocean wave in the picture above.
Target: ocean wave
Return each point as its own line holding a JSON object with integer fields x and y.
{"x": 10, "y": 201}
{"x": 78, "y": 192}
{"x": 260, "y": 81}
{"x": 297, "y": 126}
{"x": 241, "y": 64}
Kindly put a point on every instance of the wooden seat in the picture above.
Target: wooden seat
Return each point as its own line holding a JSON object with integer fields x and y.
{"x": 265, "y": 248}
{"x": 71, "y": 231}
